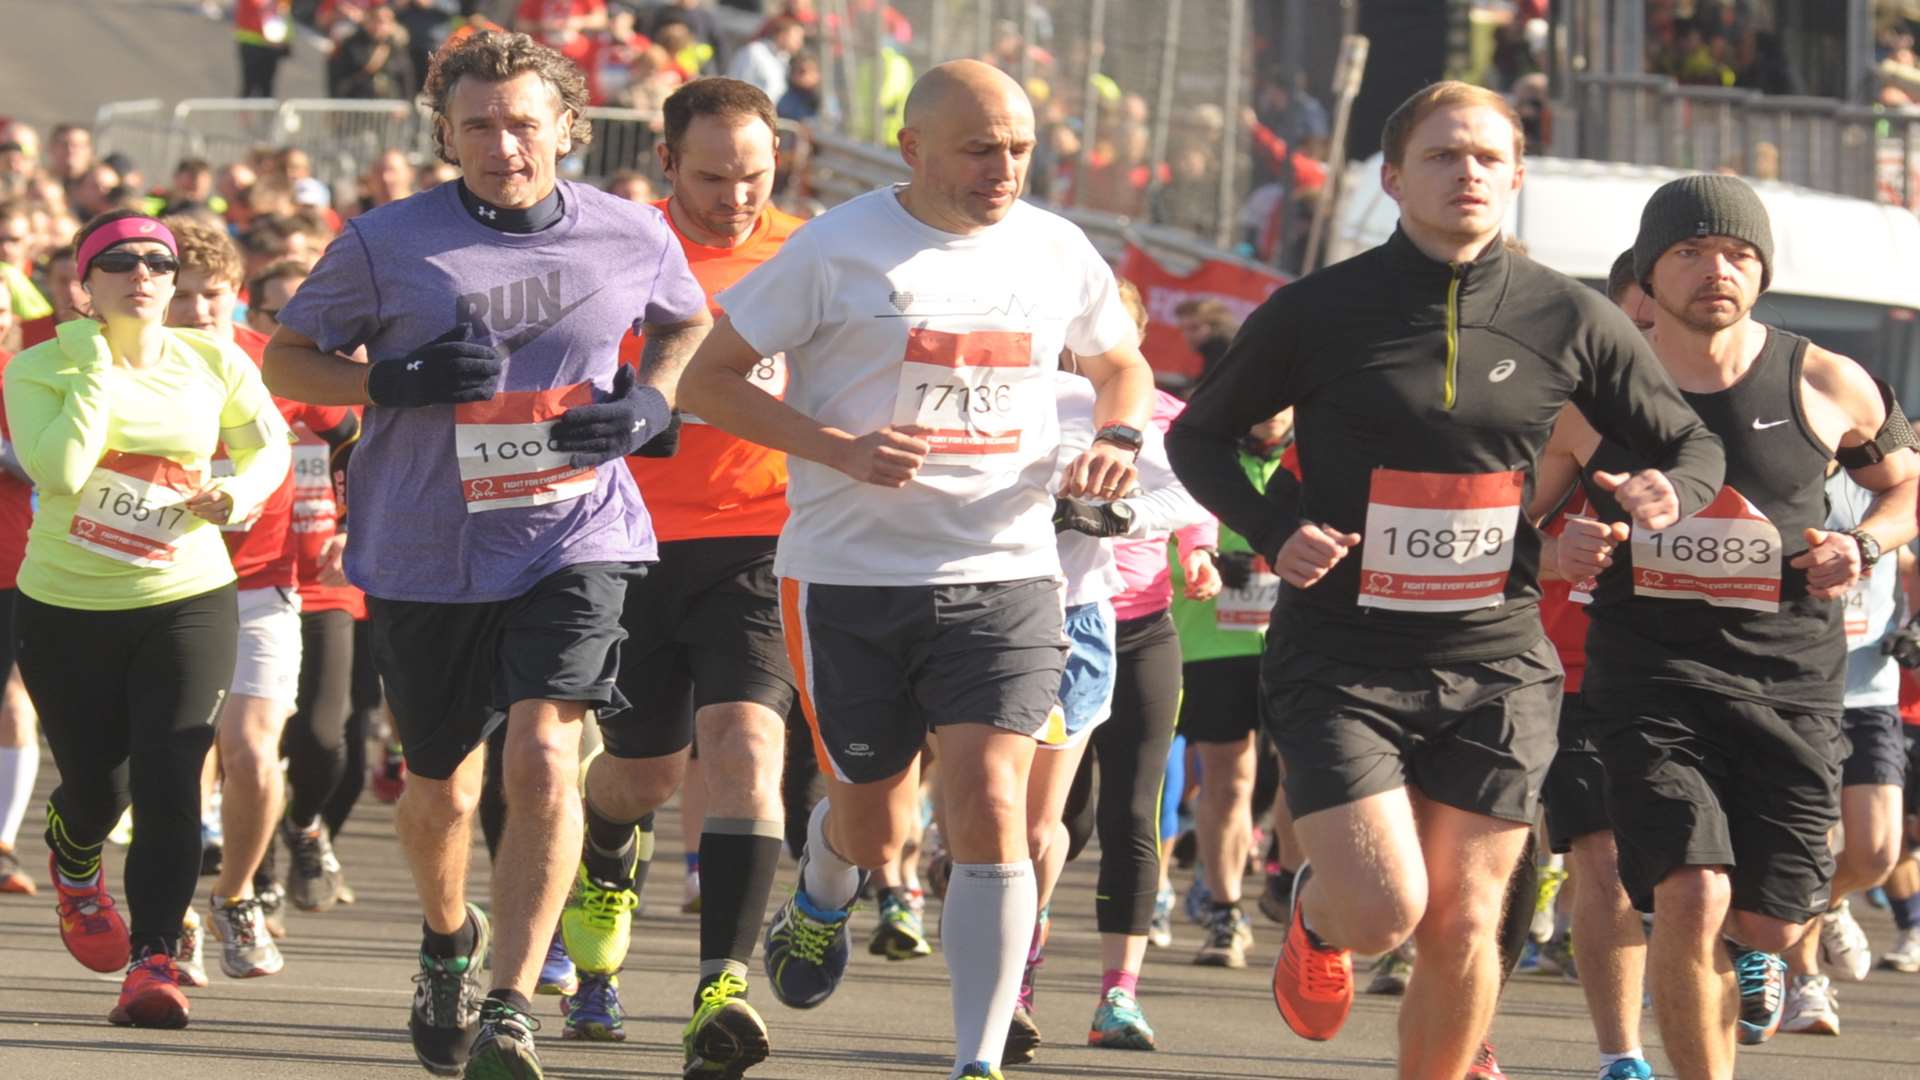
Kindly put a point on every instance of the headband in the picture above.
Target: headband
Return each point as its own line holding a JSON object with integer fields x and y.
{"x": 119, "y": 231}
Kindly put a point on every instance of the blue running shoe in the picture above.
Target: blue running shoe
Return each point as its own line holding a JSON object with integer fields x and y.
{"x": 806, "y": 950}
{"x": 1199, "y": 902}
{"x": 1118, "y": 1024}
{"x": 1160, "y": 929}
{"x": 1628, "y": 1069}
{"x": 1763, "y": 993}
{"x": 1529, "y": 958}
{"x": 557, "y": 974}
{"x": 593, "y": 1013}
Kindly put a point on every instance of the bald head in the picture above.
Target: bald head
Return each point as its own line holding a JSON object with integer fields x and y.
{"x": 964, "y": 88}
{"x": 968, "y": 138}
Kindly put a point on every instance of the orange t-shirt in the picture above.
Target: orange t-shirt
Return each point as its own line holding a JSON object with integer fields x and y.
{"x": 717, "y": 485}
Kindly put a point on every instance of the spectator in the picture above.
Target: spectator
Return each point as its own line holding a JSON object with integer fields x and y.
{"x": 436, "y": 172}
{"x": 803, "y": 100}
{"x": 232, "y": 183}
{"x": 1208, "y": 328}
{"x": 766, "y": 60}
{"x": 130, "y": 174}
{"x": 1769, "y": 71}
{"x": 1529, "y": 97}
{"x": 700, "y": 23}
{"x": 1694, "y": 60}
{"x": 294, "y": 166}
{"x": 690, "y": 54}
{"x": 652, "y": 78}
{"x": 260, "y": 29}
{"x": 25, "y": 137}
{"x": 274, "y": 237}
{"x": 69, "y": 152}
{"x": 14, "y": 162}
{"x": 609, "y": 67}
{"x": 373, "y": 62}
{"x": 93, "y": 192}
{"x": 564, "y": 26}
{"x": 427, "y": 23}
{"x": 389, "y": 180}
{"x": 1117, "y": 171}
{"x": 193, "y": 188}
{"x": 892, "y": 73}
{"x": 632, "y": 186}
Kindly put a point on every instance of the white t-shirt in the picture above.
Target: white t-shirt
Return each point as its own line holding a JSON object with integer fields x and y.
{"x": 885, "y": 320}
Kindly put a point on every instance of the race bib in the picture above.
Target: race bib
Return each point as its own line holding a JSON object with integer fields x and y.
{"x": 220, "y": 468}
{"x": 770, "y": 374}
{"x": 1853, "y": 609}
{"x": 133, "y": 509}
{"x": 505, "y": 451}
{"x": 1438, "y": 541}
{"x": 1727, "y": 555}
{"x": 313, "y": 506}
{"x": 1248, "y": 608}
{"x": 974, "y": 394}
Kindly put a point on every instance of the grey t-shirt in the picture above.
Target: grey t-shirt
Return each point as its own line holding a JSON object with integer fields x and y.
{"x": 466, "y": 504}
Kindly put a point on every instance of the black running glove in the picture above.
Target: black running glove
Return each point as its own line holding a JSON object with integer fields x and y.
{"x": 612, "y": 428}
{"x": 452, "y": 369}
{"x": 1078, "y": 515}
{"x": 664, "y": 445}
{"x": 1235, "y": 567}
{"x": 1904, "y": 645}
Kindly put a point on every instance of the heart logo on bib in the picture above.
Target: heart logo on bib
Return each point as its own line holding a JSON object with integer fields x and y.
{"x": 480, "y": 489}
{"x": 1379, "y": 583}
{"x": 1653, "y": 577}
{"x": 83, "y": 527}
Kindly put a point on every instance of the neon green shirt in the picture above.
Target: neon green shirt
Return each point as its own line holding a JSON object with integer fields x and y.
{"x": 1201, "y": 637}
{"x": 28, "y": 304}
{"x": 114, "y": 451}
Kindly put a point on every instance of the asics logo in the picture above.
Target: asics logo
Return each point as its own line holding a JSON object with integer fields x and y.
{"x": 1501, "y": 370}
{"x": 1759, "y": 425}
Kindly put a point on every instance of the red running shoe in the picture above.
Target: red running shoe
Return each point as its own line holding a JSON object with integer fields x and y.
{"x": 390, "y": 776}
{"x": 151, "y": 997}
{"x": 13, "y": 879}
{"x": 1313, "y": 987}
{"x": 1484, "y": 1066}
{"x": 90, "y": 926}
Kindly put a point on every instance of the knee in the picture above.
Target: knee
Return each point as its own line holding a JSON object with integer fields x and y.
{"x": 870, "y": 847}
{"x": 442, "y": 801}
{"x": 1870, "y": 858}
{"x": 626, "y": 788}
{"x": 1763, "y": 932}
{"x": 1693, "y": 900}
{"x": 542, "y": 762}
{"x": 1596, "y": 873}
{"x": 1383, "y": 921}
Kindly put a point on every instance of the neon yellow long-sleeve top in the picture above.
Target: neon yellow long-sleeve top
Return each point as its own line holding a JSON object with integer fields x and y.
{"x": 115, "y": 451}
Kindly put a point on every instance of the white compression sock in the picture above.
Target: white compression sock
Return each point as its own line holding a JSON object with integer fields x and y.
{"x": 830, "y": 881}
{"x": 18, "y": 767}
{"x": 984, "y": 934}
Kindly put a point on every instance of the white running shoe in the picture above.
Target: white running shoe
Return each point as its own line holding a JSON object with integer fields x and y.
{"x": 190, "y": 962}
{"x": 1811, "y": 1007}
{"x": 1905, "y": 954}
{"x": 1843, "y": 945}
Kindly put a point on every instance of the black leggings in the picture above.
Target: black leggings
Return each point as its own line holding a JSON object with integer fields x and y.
{"x": 366, "y": 700}
{"x": 1131, "y": 748}
{"x": 315, "y": 743}
{"x": 258, "y": 64}
{"x": 127, "y": 700}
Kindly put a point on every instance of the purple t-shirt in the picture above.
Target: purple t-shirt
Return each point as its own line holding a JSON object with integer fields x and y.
{"x": 556, "y": 303}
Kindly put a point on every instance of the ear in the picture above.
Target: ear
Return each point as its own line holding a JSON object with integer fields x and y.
{"x": 1390, "y": 179}
{"x": 565, "y": 145}
{"x": 910, "y": 146}
{"x": 665, "y": 154}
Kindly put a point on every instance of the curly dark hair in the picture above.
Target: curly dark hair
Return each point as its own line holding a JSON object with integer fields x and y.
{"x": 496, "y": 57}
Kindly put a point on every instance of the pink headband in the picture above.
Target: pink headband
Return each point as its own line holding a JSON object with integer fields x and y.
{"x": 120, "y": 231}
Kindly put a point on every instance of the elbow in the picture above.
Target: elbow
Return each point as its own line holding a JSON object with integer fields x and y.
{"x": 276, "y": 372}
{"x": 57, "y": 481}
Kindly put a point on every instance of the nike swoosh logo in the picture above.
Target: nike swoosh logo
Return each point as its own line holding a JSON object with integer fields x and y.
{"x": 1758, "y": 426}
{"x": 529, "y": 334}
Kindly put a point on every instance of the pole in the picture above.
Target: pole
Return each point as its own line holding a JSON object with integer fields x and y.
{"x": 1090, "y": 107}
{"x": 839, "y": 74}
{"x": 1163, "y": 109}
{"x": 1024, "y": 69}
{"x": 877, "y": 102}
{"x": 1353, "y": 64}
{"x": 1233, "y": 131}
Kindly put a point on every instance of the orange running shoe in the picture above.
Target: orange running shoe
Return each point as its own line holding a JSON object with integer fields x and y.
{"x": 13, "y": 878}
{"x": 1312, "y": 987}
{"x": 151, "y": 996}
{"x": 1485, "y": 1066}
{"x": 90, "y": 926}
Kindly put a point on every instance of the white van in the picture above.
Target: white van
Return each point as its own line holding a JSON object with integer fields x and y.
{"x": 1846, "y": 272}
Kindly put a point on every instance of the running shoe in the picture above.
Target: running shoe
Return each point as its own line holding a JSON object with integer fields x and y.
{"x": 1877, "y": 898}
{"x": 90, "y": 925}
{"x": 806, "y": 950}
{"x": 900, "y": 935}
{"x": 1118, "y": 1024}
{"x": 390, "y": 775}
{"x": 1812, "y": 1007}
{"x": 1556, "y": 957}
{"x": 1228, "y": 935}
{"x": 1485, "y": 1066}
{"x": 557, "y": 973}
{"x": 1312, "y": 985}
{"x": 190, "y": 960}
{"x": 1392, "y": 970}
{"x": 1763, "y": 993}
{"x": 597, "y": 923}
{"x": 593, "y": 1012}
{"x": 446, "y": 1003}
{"x": 273, "y": 908}
{"x": 1905, "y": 954}
{"x": 502, "y": 1049}
{"x": 690, "y": 893}
{"x": 314, "y": 884}
{"x": 1199, "y": 901}
{"x": 247, "y": 950}
{"x": 212, "y": 838}
{"x": 1552, "y": 878}
{"x": 980, "y": 1070}
{"x": 1529, "y": 962}
{"x": 1628, "y": 1069}
{"x": 1160, "y": 928}
{"x": 1843, "y": 945}
{"x": 1275, "y": 897}
{"x": 726, "y": 1037}
{"x": 1023, "y": 1034}
{"x": 14, "y": 879}
{"x": 150, "y": 997}
{"x": 1186, "y": 845}
{"x": 122, "y": 833}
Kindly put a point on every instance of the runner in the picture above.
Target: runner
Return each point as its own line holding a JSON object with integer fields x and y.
{"x": 1903, "y": 885}
{"x": 493, "y": 528}
{"x": 919, "y": 572}
{"x": 704, "y": 657}
{"x": 19, "y": 744}
{"x": 267, "y": 673}
{"x": 1409, "y": 677}
{"x": 1727, "y": 622}
{"x": 127, "y": 593}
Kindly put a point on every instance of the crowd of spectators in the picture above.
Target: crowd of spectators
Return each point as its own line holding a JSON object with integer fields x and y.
{"x": 1726, "y": 43}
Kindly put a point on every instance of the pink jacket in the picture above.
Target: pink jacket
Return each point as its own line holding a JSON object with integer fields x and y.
{"x": 1143, "y": 562}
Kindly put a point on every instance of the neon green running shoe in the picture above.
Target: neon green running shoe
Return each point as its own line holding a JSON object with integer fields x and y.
{"x": 597, "y": 923}
{"x": 726, "y": 1037}
{"x": 982, "y": 1071}
{"x": 900, "y": 935}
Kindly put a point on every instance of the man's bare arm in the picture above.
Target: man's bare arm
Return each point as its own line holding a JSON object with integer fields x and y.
{"x": 294, "y": 368}
{"x": 669, "y": 348}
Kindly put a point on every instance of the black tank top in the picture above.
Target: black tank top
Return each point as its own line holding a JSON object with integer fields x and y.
{"x": 1793, "y": 658}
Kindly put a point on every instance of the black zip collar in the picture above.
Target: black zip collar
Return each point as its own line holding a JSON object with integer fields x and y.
{"x": 542, "y": 215}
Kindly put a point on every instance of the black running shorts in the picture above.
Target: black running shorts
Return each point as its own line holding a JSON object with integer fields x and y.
{"x": 1476, "y": 736}
{"x": 452, "y": 671}
{"x": 879, "y": 665}
{"x": 1876, "y": 747}
{"x": 1220, "y": 699}
{"x": 703, "y": 628}
{"x": 1697, "y": 778}
{"x": 1576, "y": 788}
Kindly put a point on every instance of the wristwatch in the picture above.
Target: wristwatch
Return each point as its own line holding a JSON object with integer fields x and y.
{"x": 1127, "y": 438}
{"x": 1869, "y": 547}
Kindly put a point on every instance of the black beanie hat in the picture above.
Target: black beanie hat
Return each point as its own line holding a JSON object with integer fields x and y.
{"x": 1703, "y": 205}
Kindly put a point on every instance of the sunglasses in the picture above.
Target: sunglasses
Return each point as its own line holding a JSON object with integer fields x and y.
{"x": 123, "y": 262}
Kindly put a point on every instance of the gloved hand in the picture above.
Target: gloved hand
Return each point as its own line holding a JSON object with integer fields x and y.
{"x": 1904, "y": 645}
{"x": 1078, "y": 515}
{"x": 1235, "y": 567}
{"x": 612, "y": 428}
{"x": 665, "y": 444}
{"x": 452, "y": 369}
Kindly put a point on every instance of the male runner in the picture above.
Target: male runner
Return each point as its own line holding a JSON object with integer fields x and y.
{"x": 1716, "y": 650}
{"x": 492, "y": 524}
{"x": 1406, "y": 680}
{"x": 919, "y": 572}
{"x": 704, "y": 646}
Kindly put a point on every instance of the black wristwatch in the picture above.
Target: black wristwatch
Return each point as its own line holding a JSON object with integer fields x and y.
{"x": 1127, "y": 438}
{"x": 1869, "y": 548}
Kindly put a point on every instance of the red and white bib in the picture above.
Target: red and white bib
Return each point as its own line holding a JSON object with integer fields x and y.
{"x": 974, "y": 394}
{"x": 1248, "y": 607}
{"x": 1439, "y": 541}
{"x": 133, "y": 509}
{"x": 1727, "y": 555}
{"x": 505, "y": 450}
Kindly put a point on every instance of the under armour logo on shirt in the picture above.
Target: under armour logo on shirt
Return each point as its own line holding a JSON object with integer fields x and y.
{"x": 638, "y": 424}
{"x": 414, "y": 365}
{"x": 487, "y": 212}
